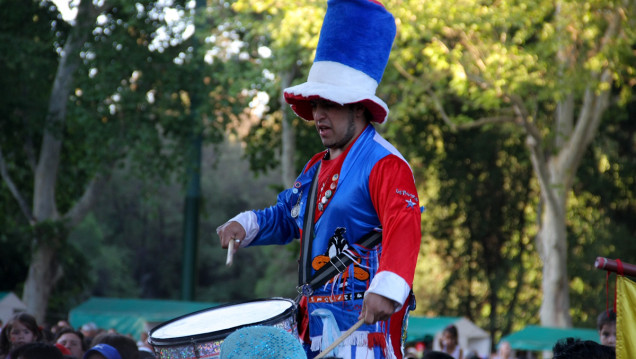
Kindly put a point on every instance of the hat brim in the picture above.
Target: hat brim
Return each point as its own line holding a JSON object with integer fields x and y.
{"x": 300, "y": 96}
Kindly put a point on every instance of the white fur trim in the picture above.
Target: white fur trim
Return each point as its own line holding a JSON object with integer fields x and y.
{"x": 390, "y": 285}
{"x": 335, "y": 73}
{"x": 340, "y": 84}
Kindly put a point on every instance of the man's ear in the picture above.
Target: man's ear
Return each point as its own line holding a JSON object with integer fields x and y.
{"x": 361, "y": 111}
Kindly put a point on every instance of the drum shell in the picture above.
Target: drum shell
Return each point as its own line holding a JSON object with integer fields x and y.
{"x": 208, "y": 344}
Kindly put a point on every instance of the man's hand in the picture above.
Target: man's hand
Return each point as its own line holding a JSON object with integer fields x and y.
{"x": 376, "y": 308}
{"x": 231, "y": 231}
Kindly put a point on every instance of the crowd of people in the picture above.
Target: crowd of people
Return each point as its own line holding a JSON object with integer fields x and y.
{"x": 565, "y": 348}
{"x": 23, "y": 338}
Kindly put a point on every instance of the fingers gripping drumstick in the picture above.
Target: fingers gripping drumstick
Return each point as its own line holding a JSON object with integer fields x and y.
{"x": 340, "y": 339}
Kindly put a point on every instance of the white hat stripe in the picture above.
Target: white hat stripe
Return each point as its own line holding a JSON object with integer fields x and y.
{"x": 337, "y": 74}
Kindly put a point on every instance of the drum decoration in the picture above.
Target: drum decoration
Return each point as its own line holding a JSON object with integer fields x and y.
{"x": 200, "y": 334}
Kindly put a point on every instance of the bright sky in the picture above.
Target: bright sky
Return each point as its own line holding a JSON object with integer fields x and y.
{"x": 65, "y": 10}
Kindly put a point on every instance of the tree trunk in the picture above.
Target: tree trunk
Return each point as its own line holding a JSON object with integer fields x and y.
{"x": 556, "y": 175}
{"x": 555, "y": 307}
{"x": 44, "y": 270}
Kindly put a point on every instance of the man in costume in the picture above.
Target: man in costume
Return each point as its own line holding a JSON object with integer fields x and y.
{"x": 358, "y": 187}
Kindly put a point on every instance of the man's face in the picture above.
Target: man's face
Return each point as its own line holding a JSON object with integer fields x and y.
{"x": 337, "y": 125}
{"x": 73, "y": 343}
{"x": 608, "y": 334}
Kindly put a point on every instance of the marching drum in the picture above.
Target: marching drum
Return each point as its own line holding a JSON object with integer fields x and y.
{"x": 200, "y": 334}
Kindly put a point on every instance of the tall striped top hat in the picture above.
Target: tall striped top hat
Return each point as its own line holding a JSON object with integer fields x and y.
{"x": 353, "y": 50}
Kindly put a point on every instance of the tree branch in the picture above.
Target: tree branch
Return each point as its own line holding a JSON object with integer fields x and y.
{"x": 438, "y": 106}
{"x": 594, "y": 104}
{"x": 534, "y": 143}
{"x": 403, "y": 72}
{"x": 77, "y": 213}
{"x": 44, "y": 204}
{"x": 488, "y": 120}
{"x": 592, "y": 109}
{"x": 14, "y": 191}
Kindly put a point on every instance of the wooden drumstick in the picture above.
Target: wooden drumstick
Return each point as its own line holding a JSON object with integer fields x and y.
{"x": 230, "y": 252}
{"x": 340, "y": 339}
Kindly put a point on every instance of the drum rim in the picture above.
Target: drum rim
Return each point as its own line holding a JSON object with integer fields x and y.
{"x": 220, "y": 334}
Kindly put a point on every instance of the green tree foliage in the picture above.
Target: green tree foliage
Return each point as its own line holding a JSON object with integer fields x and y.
{"x": 290, "y": 32}
{"x": 480, "y": 216}
{"x": 504, "y": 72}
{"x": 134, "y": 237}
{"x": 130, "y": 74}
{"x": 546, "y": 67}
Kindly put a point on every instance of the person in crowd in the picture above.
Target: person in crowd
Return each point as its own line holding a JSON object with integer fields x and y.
{"x": 412, "y": 353}
{"x": 263, "y": 342}
{"x": 125, "y": 345}
{"x": 21, "y": 329}
{"x": 65, "y": 352}
{"x": 145, "y": 349}
{"x": 504, "y": 351}
{"x": 37, "y": 350}
{"x": 102, "y": 351}
{"x": 73, "y": 340}
{"x": 358, "y": 187}
{"x": 61, "y": 324}
{"x": 606, "y": 325}
{"x": 434, "y": 354}
{"x": 574, "y": 348}
{"x": 449, "y": 342}
{"x": 89, "y": 331}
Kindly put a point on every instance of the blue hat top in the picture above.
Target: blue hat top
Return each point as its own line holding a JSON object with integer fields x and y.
{"x": 353, "y": 50}
{"x": 359, "y": 34}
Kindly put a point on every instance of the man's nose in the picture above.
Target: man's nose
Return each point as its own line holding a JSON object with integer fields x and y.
{"x": 318, "y": 111}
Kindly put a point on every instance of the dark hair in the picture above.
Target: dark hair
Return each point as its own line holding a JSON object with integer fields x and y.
{"x": 126, "y": 346}
{"x": 606, "y": 317}
{"x": 574, "y": 348}
{"x": 437, "y": 355}
{"x": 72, "y": 331}
{"x": 25, "y": 319}
{"x": 37, "y": 350}
{"x": 452, "y": 330}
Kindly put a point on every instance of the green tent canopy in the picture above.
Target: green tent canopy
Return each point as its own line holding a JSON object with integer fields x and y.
{"x": 538, "y": 338}
{"x": 425, "y": 328}
{"x": 131, "y": 316}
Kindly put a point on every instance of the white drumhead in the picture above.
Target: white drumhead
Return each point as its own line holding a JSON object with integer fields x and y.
{"x": 217, "y": 319}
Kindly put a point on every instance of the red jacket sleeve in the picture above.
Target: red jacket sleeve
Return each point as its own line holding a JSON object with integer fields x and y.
{"x": 394, "y": 195}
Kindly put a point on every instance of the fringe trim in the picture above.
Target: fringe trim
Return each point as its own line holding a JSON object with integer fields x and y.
{"x": 366, "y": 339}
{"x": 377, "y": 340}
{"x": 355, "y": 339}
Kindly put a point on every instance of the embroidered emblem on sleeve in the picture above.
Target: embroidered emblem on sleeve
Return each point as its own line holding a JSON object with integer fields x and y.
{"x": 411, "y": 199}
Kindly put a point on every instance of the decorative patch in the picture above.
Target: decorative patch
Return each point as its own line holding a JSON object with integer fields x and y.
{"x": 338, "y": 244}
{"x": 411, "y": 200}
